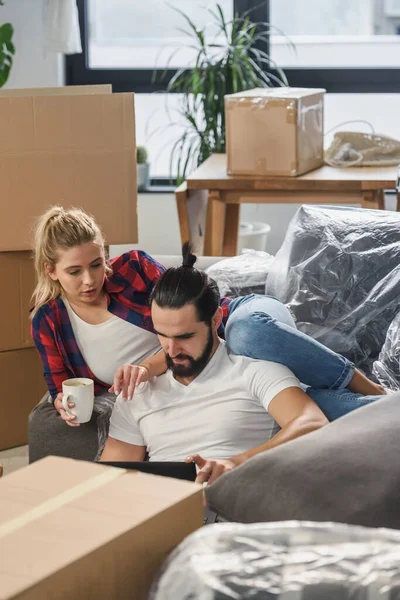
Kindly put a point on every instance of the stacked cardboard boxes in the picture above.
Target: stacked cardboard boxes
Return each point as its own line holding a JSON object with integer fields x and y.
{"x": 70, "y": 146}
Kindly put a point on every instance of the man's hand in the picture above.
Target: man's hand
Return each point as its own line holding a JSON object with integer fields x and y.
{"x": 127, "y": 378}
{"x": 210, "y": 469}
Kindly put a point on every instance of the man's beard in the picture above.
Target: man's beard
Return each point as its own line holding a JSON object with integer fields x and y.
{"x": 196, "y": 365}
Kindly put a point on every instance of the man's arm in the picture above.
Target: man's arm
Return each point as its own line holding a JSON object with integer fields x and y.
{"x": 117, "y": 451}
{"x": 295, "y": 413}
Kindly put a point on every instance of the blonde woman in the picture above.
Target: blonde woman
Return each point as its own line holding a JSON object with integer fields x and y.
{"x": 90, "y": 316}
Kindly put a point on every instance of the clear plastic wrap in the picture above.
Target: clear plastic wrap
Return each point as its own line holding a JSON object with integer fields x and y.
{"x": 338, "y": 271}
{"x": 387, "y": 368}
{"x": 352, "y": 148}
{"x": 243, "y": 274}
{"x": 290, "y": 561}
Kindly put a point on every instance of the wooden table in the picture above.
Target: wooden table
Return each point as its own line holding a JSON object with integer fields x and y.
{"x": 356, "y": 185}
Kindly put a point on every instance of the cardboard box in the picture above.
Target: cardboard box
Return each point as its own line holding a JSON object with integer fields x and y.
{"x": 74, "y": 150}
{"x": 18, "y": 276}
{"x": 72, "y": 529}
{"x": 22, "y": 387}
{"x": 274, "y": 131}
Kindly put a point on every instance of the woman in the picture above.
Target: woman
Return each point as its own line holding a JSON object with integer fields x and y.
{"x": 90, "y": 316}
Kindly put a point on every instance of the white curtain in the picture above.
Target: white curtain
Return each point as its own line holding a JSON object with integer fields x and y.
{"x": 61, "y": 26}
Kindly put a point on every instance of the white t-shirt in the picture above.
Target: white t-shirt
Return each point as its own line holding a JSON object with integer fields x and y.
{"x": 223, "y": 412}
{"x": 107, "y": 346}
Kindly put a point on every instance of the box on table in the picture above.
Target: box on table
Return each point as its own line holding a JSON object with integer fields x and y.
{"x": 70, "y": 147}
{"x": 22, "y": 387}
{"x": 18, "y": 276}
{"x": 274, "y": 131}
{"x": 74, "y": 529}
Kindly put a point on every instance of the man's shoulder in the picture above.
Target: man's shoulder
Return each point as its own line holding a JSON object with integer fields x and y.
{"x": 250, "y": 367}
{"x": 152, "y": 388}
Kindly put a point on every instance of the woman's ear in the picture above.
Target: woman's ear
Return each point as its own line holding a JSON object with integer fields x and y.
{"x": 217, "y": 318}
{"x": 50, "y": 272}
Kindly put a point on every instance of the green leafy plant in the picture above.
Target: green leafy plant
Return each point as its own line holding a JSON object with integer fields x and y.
{"x": 232, "y": 61}
{"x": 141, "y": 155}
{"x": 7, "y": 50}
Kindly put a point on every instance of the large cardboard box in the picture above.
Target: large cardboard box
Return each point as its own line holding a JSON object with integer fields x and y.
{"x": 77, "y": 530}
{"x": 69, "y": 149}
{"x": 22, "y": 386}
{"x": 18, "y": 276}
{"x": 276, "y": 131}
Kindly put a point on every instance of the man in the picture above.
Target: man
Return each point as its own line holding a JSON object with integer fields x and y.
{"x": 210, "y": 407}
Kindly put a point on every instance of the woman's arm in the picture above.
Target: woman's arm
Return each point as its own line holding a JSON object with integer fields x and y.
{"x": 156, "y": 365}
{"x": 128, "y": 377}
{"x": 53, "y": 365}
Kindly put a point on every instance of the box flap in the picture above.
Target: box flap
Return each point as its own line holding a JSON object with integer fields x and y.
{"x": 279, "y": 92}
{"x": 74, "y": 150}
{"x": 68, "y": 90}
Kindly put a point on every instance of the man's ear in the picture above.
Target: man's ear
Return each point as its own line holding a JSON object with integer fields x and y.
{"x": 217, "y": 318}
{"x": 50, "y": 272}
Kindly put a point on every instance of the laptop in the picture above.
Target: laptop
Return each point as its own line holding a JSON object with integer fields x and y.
{"x": 177, "y": 470}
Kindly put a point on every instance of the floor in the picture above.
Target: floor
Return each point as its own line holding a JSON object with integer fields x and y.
{"x": 14, "y": 459}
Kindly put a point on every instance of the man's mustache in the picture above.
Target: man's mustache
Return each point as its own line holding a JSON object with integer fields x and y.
{"x": 180, "y": 357}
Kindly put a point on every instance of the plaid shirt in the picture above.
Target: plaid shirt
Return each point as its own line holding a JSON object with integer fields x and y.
{"x": 128, "y": 290}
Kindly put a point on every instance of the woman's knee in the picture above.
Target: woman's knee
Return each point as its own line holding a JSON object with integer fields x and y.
{"x": 247, "y": 331}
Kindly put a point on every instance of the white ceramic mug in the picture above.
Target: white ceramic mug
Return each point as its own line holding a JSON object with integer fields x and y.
{"x": 80, "y": 391}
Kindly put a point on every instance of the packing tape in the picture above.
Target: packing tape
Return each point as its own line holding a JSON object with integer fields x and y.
{"x": 291, "y": 114}
{"x": 61, "y": 500}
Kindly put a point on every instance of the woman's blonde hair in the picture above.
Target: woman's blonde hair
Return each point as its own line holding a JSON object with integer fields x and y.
{"x": 59, "y": 229}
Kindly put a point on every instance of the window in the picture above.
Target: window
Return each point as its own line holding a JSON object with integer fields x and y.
{"x": 123, "y": 35}
{"x": 335, "y": 33}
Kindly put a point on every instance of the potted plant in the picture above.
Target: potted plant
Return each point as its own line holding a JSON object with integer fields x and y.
{"x": 228, "y": 63}
{"x": 7, "y": 50}
{"x": 143, "y": 168}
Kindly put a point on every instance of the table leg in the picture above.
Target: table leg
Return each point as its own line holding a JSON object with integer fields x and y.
{"x": 181, "y": 197}
{"x": 374, "y": 199}
{"x": 231, "y": 230}
{"x": 215, "y": 222}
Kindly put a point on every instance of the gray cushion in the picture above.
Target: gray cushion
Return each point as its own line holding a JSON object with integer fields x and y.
{"x": 347, "y": 472}
{"x": 49, "y": 435}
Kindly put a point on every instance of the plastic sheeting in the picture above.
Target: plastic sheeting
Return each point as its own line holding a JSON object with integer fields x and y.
{"x": 338, "y": 271}
{"x": 287, "y": 561}
{"x": 351, "y": 148}
{"x": 387, "y": 368}
{"x": 243, "y": 274}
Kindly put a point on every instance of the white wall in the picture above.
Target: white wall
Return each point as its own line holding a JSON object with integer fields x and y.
{"x": 32, "y": 67}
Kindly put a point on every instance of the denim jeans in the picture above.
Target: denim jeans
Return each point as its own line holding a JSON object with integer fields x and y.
{"x": 261, "y": 327}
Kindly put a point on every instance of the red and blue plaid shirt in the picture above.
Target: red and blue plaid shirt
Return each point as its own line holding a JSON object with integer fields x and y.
{"x": 128, "y": 289}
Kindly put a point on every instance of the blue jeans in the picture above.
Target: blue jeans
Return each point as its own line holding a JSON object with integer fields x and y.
{"x": 262, "y": 327}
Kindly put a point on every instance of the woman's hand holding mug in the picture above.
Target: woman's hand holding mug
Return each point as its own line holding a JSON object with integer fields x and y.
{"x": 75, "y": 404}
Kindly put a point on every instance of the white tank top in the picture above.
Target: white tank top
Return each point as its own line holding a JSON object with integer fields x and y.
{"x": 107, "y": 346}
